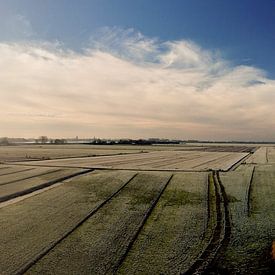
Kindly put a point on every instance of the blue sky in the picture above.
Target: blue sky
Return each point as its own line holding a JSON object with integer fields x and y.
{"x": 145, "y": 68}
{"x": 243, "y": 30}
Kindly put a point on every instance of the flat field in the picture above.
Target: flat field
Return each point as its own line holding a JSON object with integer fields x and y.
{"x": 158, "y": 160}
{"x": 41, "y": 152}
{"x": 137, "y": 209}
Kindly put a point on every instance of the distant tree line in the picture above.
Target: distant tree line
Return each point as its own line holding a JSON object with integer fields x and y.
{"x": 45, "y": 139}
{"x": 99, "y": 141}
{"x": 4, "y": 141}
{"x": 58, "y": 141}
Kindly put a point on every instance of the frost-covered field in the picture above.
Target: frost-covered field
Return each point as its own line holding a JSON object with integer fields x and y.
{"x": 157, "y": 160}
{"x": 154, "y": 210}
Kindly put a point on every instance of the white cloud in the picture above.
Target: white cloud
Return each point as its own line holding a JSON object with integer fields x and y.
{"x": 126, "y": 85}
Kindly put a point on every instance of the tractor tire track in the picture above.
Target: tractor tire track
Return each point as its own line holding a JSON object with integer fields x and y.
{"x": 220, "y": 233}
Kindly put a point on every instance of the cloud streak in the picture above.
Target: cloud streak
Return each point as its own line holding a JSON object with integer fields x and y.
{"x": 127, "y": 85}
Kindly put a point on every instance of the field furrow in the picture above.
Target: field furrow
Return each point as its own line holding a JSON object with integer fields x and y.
{"x": 13, "y": 170}
{"x": 47, "y": 151}
{"x": 159, "y": 160}
{"x": 31, "y": 226}
{"x": 27, "y": 174}
{"x": 92, "y": 209}
{"x": 171, "y": 163}
{"x": 22, "y": 187}
{"x": 98, "y": 245}
{"x": 174, "y": 231}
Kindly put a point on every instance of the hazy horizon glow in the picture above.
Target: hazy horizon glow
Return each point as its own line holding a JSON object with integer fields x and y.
{"x": 125, "y": 84}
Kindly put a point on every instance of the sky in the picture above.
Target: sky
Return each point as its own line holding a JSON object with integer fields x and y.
{"x": 138, "y": 69}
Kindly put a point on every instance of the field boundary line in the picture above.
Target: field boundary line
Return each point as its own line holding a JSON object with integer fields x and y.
{"x": 30, "y": 177}
{"x": 47, "y": 249}
{"x": 141, "y": 225}
{"x": 41, "y": 186}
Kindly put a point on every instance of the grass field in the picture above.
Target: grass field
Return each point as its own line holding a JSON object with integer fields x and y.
{"x": 155, "y": 210}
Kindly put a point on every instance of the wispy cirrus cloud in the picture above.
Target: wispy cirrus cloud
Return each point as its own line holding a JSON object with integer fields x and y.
{"x": 127, "y": 85}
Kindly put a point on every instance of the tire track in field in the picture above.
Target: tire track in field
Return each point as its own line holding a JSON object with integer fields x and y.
{"x": 47, "y": 249}
{"x": 220, "y": 233}
{"x": 227, "y": 216}
{"x": 210, "y": 209}
{"x": 30, "y": 177}
{"x": 142, "y": 223}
